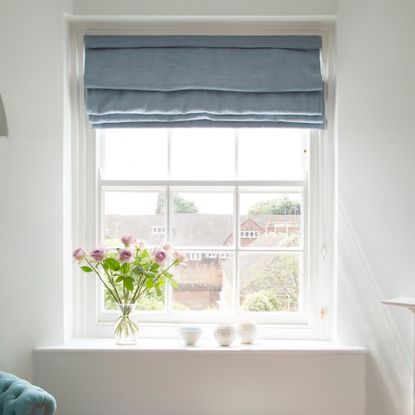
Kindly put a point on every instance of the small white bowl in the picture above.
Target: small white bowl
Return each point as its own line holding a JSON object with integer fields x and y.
{"x": 190, "y": 335}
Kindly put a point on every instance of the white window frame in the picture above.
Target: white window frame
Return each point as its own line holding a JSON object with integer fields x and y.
{"x": 88, "y": 318}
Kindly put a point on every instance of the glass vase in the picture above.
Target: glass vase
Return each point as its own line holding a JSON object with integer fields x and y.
{"x": 125, "y": 329}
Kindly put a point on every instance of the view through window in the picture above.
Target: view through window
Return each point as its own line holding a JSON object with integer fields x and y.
{"x": 234, "y": 200}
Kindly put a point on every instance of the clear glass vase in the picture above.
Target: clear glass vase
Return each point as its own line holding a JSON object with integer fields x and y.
{"x": 125, "y": 329}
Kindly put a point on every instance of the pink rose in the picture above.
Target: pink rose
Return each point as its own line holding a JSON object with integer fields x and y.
{"x": 167, "y": 247}
{"x": 125, "y": 255}
{"x": 127, "y": 240}
{"x": 98, "y": 254}
{"x": 159, "y": 255}
{"x": 140, "y": 245}
{"x": 180, "y": 257}
{"x": 79, "y": 254}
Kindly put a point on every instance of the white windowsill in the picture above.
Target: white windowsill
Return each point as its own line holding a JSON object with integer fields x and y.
{"x": 205, "y": 345}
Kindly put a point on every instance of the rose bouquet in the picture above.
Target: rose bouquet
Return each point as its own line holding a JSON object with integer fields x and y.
{"x": 127, "y": 273}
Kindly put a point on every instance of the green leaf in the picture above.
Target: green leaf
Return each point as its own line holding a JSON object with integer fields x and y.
{"x": 173, "y": 283}
{"x": 112, "y": 264}
{"x": 86, "y": 269}
{"x": 125, "y": 268}
{"x": 160, "y": 282}
{"x": 149, "y": 283}
{"x": 119, "y": 279}
{"x": 129, "y": 283}
{"x": 138, "y": 270}
{"x": 159, "y": 292}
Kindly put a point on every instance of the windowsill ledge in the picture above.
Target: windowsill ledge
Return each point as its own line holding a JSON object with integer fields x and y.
{"x": 204, "y": 346}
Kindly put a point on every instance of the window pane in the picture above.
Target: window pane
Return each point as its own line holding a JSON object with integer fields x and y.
{"x": 149, "y": 301}
{"x": 202, "y": 219}
{"x": 137, "y": 213}
{"x": 271, "y": 154}
{"x": 133, "y": 154}
{"x": 270, "y": 220}
{"x": 205, "y": 283}
{"x": 269, "y": 282}
{"x": 198, "y": 153}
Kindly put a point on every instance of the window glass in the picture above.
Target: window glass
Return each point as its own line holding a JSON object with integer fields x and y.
{"x": 244, "y": 238}
{"x": 269, "y": 282}
{"x": 271, "y": 154}
{"x": 206, "y": 154}
{"x": 202, "y": 219}
{"x": 205, "y": 283}
{"x": 133, "y": 154}
{"x": 270, "y": 219}
{"x": 138, "y": 213}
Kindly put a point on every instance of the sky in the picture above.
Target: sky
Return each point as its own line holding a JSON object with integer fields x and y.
{"x": 198, "y": 154}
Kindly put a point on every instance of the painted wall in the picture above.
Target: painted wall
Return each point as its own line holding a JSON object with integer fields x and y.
{"x": 206, "y": 8}
{"x": 376, "y": 169}
{"x": 31, "y": 181}
{"x": 203, "y": 382}
{"x": 34, "y": 210}
{"x": 376, "y": 147}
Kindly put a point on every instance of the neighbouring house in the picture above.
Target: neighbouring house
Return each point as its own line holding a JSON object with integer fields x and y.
{"x": 206, "y": 283}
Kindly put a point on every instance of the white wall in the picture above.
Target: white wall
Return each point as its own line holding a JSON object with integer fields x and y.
{"x": 183, "y": 382}
{"x": 206, "y": 8}
{"x": 31, "y": 224}
{"x": 35, "y": 201}
{"x": 376, "y": 170}
{"x": 376, "y": 147}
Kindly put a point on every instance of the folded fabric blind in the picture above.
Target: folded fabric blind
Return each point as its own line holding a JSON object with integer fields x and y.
{"x": 206, "y": 81}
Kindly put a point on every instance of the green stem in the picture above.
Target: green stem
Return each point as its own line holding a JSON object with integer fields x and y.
{"x": 139, "y": 285}
{"x": 139, "y": 290}
{"x": 99, "y": 276}
{"x": 111, "y": 280}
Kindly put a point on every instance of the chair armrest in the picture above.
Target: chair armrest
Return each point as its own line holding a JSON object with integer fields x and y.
{"x": 19, "y": 397}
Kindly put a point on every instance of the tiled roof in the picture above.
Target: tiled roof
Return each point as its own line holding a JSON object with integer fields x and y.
{"x": 214, "y": 228}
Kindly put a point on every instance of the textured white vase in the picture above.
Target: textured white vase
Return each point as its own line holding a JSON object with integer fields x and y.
{"x": 225, "y": 335}
{"x": 247, "y": 331}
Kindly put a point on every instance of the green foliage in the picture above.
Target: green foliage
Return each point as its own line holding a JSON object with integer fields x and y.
{"x": 149, "y": 301}
{"x": 180, "y": 204}
{"x": 274, "y": 287}
{"x": 282, "y": 206}
{"x": 180, "y": 307}
{"x": 264, "y": 300}
{"x": 128, "y": 274}
{"x": 112, "y": 264}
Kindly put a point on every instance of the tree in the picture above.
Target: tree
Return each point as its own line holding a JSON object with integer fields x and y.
{"x": 149, "y": 301}
{"x": 282, "y": 206}
{"x": 180, "y": 204}
{"x": 273, "y": 286}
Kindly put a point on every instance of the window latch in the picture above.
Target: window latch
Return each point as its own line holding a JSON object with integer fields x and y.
{"x": 323, "y": 251}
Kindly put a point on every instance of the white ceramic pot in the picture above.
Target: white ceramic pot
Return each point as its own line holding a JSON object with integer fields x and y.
{"x": 225, "y": 335}
{"x": 247, "y": 331}
{"x": 190, "y": 335}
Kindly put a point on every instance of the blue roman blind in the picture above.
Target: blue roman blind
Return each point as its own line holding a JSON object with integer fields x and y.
{"x": 204, "y": 81}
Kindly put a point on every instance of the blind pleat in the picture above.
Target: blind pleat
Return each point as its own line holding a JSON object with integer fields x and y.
{"x": 186, "y": 80}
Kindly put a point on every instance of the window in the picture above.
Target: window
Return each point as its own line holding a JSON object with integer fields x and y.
{"x": 242, "y": 220}
{"x": 249, "y": 234}
{"x": 159, "y": 229}
{"x": 251, "y": 208}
